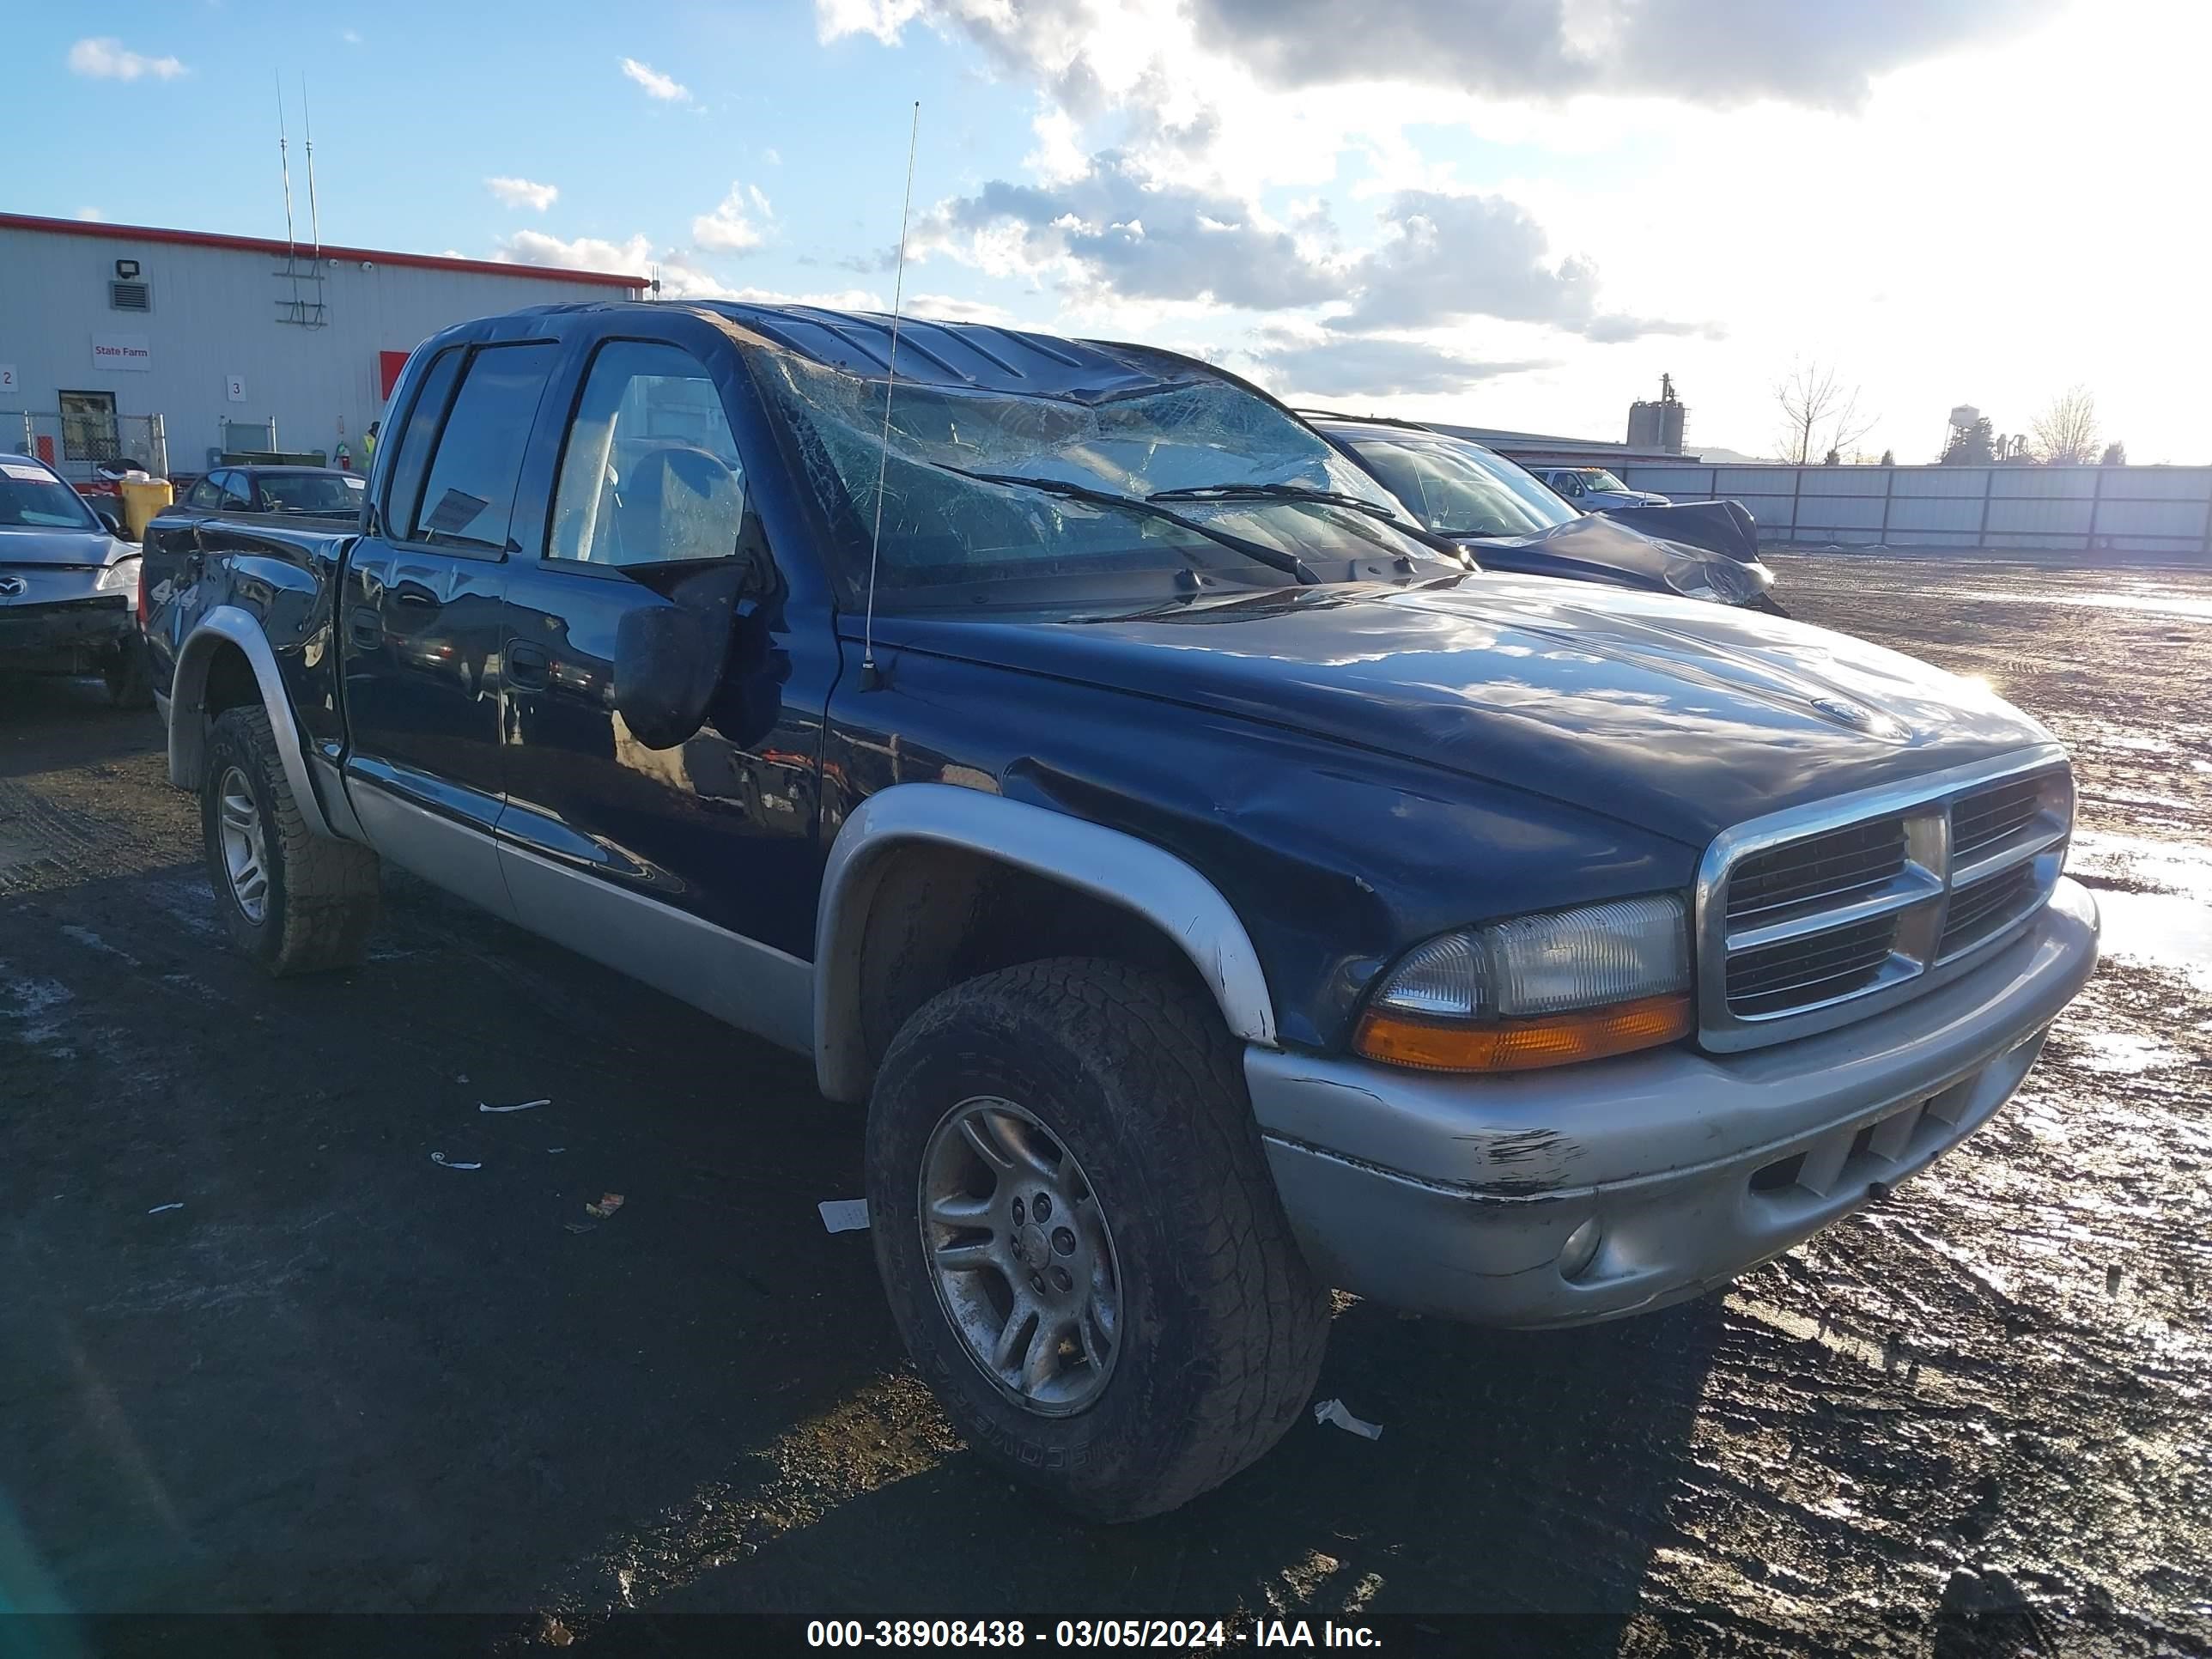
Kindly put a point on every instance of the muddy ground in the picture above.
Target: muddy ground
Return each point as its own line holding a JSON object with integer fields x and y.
{"x": 342, "y": 1377}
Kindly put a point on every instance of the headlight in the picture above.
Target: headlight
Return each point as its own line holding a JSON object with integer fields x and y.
{"x": 1542, "y": 990}
{"x": 121, "y": 577}
{"x": 1722, "y": 580}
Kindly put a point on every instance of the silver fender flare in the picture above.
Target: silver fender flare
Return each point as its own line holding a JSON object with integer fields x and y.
{"x": 1108, "y": 864}
{"x": 226, "y": 625}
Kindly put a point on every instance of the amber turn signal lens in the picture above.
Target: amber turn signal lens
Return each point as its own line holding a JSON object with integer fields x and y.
{"x": 1522, "y": 1045}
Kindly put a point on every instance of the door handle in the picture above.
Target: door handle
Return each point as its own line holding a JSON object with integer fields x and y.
{"x": 526, "y": 663}
{"x": 411, "y": 593}
{"x": 366, "y": 628}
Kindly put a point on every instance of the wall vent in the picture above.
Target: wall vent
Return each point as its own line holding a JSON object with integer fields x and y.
{"x": 129, "y": 296}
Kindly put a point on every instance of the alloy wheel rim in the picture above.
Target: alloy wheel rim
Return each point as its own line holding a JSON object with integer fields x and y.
{"x": 244, "y": 853}
{"x": 1019, "y": 1248}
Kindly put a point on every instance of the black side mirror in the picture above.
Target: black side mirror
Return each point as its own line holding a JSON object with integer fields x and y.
{"x": 670, "y": 652}
{"x": 108, "y": 516}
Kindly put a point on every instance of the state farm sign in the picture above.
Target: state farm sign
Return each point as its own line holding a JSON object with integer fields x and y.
{"x": 120, "y": 352}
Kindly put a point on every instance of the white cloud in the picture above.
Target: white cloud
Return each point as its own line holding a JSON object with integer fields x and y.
{"x": 351, "y": 37}
{"x": 730, "y": 227}
{"x": 884, "y": 18}
{"x": 773, "y": 157}
{"x": 535, "y": 248}
{"x": 1371, "y": 368}
{"x": 666, "y": 88}
{"x": 952, "y": 308}
{"x": 523, "y": 192}
{"x": 104, "y": 58}
{"x": 92, "y": 215}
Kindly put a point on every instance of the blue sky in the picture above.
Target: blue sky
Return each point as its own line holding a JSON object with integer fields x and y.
{"x": 1511, "y": 212}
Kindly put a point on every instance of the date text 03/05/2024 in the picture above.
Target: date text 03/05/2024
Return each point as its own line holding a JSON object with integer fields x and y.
{"x": 1293, "y": 1634}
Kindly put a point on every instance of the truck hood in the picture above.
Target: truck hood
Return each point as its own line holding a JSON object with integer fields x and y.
{"x": 1672, "y": 714}
{"x": 86, "y": 547}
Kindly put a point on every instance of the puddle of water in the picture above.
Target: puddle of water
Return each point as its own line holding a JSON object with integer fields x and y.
{"x": 2119, "y": 1053}
{"x": 2162, "y": 930}
{"x": 2176, "y": 865}
{"x": 2171, "y": 929}
{"x": 2150, "y": 604}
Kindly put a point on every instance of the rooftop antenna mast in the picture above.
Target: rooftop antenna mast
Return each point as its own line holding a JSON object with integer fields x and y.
{"x": 314, "y": 219}
{"x": 284, "y": 163}
{"x": 871, "y": 676}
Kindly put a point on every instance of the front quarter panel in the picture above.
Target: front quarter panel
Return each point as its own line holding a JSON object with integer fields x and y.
{"x": 1335, "y": 859}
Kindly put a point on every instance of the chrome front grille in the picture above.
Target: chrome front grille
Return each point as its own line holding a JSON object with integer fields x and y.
{"x": 1824, "y": 914}
{"x": 1822, "y": 870}
{"x": 1776, "y": 978}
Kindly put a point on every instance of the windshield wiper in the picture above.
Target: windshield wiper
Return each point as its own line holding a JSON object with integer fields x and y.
{"x": 1436, "y": 541}
{"x": 1289, "y": 563}
{"x": 1275, "y": 492}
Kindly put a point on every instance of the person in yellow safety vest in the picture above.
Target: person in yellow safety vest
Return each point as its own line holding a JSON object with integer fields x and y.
{"x": 368, "y": 446}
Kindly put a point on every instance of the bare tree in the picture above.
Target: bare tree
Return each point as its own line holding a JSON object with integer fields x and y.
{"x": 2066, "y": 432}
{"x": 1820, "y": 414}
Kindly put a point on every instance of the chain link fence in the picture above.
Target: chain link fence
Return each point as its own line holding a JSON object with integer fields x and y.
{"x": 74, "y": 442}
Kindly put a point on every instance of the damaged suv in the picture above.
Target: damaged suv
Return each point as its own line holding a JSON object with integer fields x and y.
{"x": 1216, "y": 889}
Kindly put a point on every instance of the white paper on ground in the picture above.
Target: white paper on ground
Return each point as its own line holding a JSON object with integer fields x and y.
{"x": 844, "y": 1215}
{"x": 442, "y": 1159}
{"x": 163, "y": 1209}
{"x": 522, "y": 1106}
{"x": 1333, "y": 1411}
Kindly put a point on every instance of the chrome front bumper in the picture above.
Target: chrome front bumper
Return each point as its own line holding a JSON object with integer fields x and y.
{"x": 1456, "y": 1196}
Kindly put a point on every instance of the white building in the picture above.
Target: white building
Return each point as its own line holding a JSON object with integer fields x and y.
{"x": 119, "y": 339}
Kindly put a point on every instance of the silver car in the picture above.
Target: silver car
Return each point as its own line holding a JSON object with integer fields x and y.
{"x": 68, "y": 584}
{"x": 1592, "y": 488}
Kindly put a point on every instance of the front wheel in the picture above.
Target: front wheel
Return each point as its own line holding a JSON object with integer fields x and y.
{"x": 1081, "y": 1243}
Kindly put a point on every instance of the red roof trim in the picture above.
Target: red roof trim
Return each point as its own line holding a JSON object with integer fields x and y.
{"x": 328, "y": 250}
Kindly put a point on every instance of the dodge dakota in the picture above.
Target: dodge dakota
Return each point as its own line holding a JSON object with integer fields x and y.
{"x": 1216, "y": 889}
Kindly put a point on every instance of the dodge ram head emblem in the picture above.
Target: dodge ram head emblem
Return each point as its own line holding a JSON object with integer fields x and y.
{"x": 12, "y": 585}
{"x": 1843, "y": 714}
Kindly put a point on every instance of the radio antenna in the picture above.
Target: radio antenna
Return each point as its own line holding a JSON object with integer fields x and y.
{"x": 314, "y": 218}
{"x": 285, "y": 165}
{"x": 871, "y": 676}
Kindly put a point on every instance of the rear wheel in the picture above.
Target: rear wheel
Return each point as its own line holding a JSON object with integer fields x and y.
{"x": 296, "y": 902}
{"x": 1081, "y": 1243}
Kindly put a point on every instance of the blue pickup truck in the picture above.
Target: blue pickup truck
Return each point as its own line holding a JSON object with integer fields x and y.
{"x": 1216, "y": 889}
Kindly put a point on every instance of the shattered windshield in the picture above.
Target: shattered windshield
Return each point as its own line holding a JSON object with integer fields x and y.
{"x": 941, "y": 525}
{"x": 1459, "y": 491}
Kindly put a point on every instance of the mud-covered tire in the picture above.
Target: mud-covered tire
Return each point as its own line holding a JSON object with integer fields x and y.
{"x": 129, "y": 680}
{"x": 319, "y": 901}
{"x": 1222, "y": 1325}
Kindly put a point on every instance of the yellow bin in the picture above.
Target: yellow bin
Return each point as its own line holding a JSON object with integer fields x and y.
{"x": 141, "y": 501}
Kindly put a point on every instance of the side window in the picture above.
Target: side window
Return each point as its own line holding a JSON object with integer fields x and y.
{"x": 469, "y": 498}
{"x": 650, "y": 473}
{"x": 1568, "y": 484}
{"x": 411, "y": 459}
{"x": 237, "y": 492}
{"x": 204, "y": 494}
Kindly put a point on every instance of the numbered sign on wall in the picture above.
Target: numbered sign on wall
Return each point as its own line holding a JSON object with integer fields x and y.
{"x": 234, "y": 387}
{"x": 8, "y": 383}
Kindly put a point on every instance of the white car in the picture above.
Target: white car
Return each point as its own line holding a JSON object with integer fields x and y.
{"x": 1592, "y": 488}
